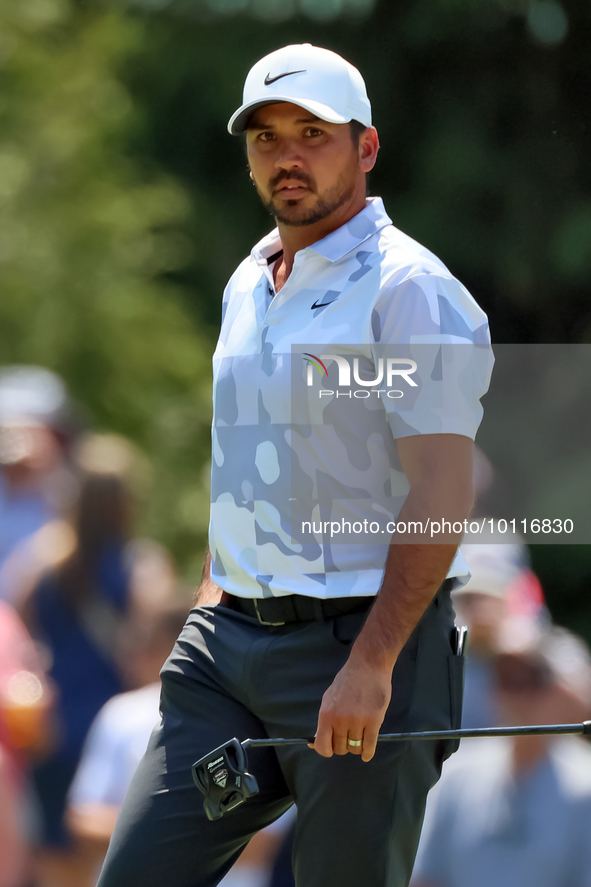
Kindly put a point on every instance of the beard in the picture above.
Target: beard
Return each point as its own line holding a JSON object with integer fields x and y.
{"x": 325, "y": 205}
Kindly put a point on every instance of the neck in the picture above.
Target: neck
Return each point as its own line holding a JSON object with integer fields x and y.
{"x": 294, "y": 238}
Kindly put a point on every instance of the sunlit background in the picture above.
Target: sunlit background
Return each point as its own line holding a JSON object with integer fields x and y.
{"x": 125, "y": 206}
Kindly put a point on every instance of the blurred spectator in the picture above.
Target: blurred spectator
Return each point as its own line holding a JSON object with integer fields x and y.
{"x": 25, "y": 702}
{"x": 120, "y": 732}
{"x": 517, "y": 811}
{"x": 34, "y": 483}
{"x": 77, "y": 611}
{"x": 502, "y": 597}
{"x": 25, "y": 697}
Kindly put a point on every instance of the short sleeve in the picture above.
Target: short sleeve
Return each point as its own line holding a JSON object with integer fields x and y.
{"x": 434, "y": 344}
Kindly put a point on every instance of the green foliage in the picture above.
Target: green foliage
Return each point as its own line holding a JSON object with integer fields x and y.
{"x": 266, "y": 10}
{"x": 86, "y": 236}
{"x": 565, "y": 571}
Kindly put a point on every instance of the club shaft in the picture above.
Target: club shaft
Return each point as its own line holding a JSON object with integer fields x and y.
{"x": 536, "y": 730}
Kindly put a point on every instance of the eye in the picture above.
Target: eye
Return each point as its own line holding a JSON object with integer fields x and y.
{"x": 266, "y": 136}
{"x": 312, "y": 132}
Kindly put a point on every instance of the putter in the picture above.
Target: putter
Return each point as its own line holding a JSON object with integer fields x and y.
{"x": 223, "y": 778}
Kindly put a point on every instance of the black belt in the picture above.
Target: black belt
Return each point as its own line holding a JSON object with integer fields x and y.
{"x": 301, "y": 608}
{"x": 298, "y": 608}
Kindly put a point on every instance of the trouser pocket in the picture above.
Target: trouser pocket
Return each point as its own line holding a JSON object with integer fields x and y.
{"x": 455, "y": 665}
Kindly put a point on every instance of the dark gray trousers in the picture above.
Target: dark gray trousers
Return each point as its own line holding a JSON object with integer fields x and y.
{"x": 358, "y": 823}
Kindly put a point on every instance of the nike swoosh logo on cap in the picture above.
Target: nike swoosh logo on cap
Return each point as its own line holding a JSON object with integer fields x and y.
{"x": 269, "y": 80}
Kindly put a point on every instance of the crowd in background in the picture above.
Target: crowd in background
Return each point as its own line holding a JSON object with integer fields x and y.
{"x": 513, "y": 810}
{"x": 89, "y": 613}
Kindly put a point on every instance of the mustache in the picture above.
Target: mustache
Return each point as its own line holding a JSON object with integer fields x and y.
{"x": 287, "y": 175}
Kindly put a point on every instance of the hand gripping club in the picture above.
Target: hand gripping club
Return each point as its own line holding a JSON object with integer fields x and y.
{"x": 223, "y": 778}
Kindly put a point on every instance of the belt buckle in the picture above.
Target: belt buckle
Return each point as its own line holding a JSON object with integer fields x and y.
{"x": 259, "y": 617}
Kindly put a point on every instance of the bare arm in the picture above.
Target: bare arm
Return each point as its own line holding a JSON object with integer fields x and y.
{"x": 439, "y": 470}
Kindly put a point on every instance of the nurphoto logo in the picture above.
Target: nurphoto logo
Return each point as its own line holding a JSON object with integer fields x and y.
{"x": 386, "y": 370}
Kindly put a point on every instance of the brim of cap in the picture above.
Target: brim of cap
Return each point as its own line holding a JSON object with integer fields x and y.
{"x": 238, "y": 120}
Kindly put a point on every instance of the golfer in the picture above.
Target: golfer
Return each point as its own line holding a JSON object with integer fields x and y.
{"x": 301, "y": 631}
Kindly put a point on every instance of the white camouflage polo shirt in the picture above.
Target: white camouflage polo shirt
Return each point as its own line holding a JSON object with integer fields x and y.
{"x": 370, "y": 339}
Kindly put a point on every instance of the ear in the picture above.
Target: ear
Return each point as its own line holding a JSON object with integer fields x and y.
{"x": 369, "y": 145}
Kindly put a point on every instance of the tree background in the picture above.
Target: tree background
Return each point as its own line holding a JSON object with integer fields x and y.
{"x": 125, "y": 205}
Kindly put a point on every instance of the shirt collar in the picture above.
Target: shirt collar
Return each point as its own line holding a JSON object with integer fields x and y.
{"x": 338, "y": 243}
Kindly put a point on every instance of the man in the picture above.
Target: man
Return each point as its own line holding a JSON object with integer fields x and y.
{"x": 517, "y": 811}
{"x": 34, "y": 480}
{"x": 286, "y": 642}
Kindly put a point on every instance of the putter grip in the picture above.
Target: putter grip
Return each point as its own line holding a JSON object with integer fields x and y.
{"x": 586, "y": 728}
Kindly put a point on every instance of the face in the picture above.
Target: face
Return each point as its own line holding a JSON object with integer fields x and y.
{"x": 27, "y": 449}
{"x": 304, "y": 168}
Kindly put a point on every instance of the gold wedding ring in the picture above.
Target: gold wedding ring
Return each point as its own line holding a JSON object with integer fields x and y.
{"x": 354, "y": 742}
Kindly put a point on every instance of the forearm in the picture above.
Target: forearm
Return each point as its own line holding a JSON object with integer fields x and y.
{"x": 413, "y": 574}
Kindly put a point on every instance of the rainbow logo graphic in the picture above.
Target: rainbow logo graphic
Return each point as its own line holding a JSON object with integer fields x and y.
{"x": 314, "y": 361}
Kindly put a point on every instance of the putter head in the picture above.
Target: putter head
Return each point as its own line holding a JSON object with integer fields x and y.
{"x": 222, "y": 777}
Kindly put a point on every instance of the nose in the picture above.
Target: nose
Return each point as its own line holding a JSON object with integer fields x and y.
{"x": 288, "y": 156}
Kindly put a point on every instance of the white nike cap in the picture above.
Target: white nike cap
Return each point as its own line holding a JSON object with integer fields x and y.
{"x": 316, "y": 79}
